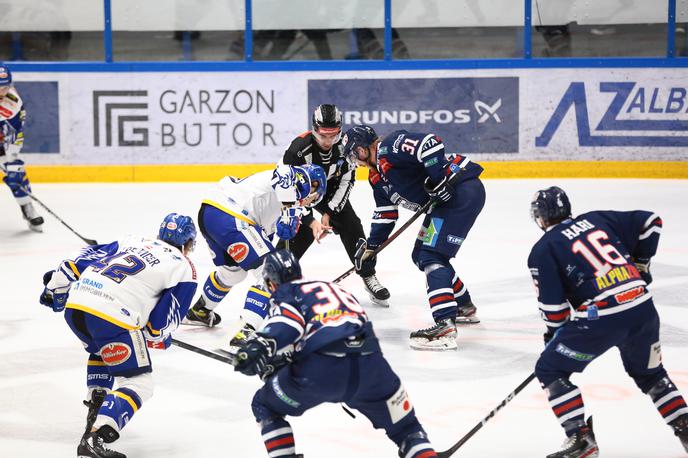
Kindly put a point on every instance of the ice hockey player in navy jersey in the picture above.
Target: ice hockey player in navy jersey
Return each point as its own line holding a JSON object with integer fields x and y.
{"x": 12, "y": 115}
{"x": 591, "y": 274}
{"x": 119, "y": 299}
{"x": 337, "y": 358}
{"x": 408, "y": 169}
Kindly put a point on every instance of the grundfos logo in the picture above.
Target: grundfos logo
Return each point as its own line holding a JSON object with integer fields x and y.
{"x": 483, "y": 111}
{"x": 636, "y": 116}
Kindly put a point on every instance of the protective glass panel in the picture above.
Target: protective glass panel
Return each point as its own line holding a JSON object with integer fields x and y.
{"x": 682, "y": 28}
{"x": 51, "y": 30}
{"x": 318, "y": 30}
{"x": 178, "y": 30}
{"x": 449, "y": 29}
{"x": 603, "y": 28}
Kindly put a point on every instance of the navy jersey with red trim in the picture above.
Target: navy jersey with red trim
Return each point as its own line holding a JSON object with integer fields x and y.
{"x": 312, "y": 314}
{"x": 589, "y": 261}
{"x": 404, "y": 161}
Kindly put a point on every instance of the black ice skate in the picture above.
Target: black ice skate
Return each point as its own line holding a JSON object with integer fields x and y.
{"x": 580, "y": 445}
{"x": 680, "y": 426}
{"x": 466, "y": 314}
{"x": 441, "y": 336}
{"x": 198, "y": 314}
{"x": 242, "y": 336}
{"x": 97, "y": 398}
{"x": 31, "y": 217}
{"x": 92, "y": 445}
{"x": 378, "y": 293}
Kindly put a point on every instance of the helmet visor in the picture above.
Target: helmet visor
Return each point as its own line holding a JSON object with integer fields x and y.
{"x": 327, "y": 136}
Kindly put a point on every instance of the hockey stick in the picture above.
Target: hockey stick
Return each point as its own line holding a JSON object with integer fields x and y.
{"x": 45, "y": 207}
{"x": 398, "y": 232}
{"x": 449, "y": 452}
{"x": 204, "y": 352}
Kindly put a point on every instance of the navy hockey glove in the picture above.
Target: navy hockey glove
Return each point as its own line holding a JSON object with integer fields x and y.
{"x": 547, "y": 336}
{"x": 364, "y": 252}
{"x": 252, "y": 357}
{"x": 441, "y": 192}
{"x": 288, "y": 223}
{"x": 643, "y": 265}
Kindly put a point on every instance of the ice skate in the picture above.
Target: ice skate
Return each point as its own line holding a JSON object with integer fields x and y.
{"x": 466, "y": 314}
{"x": 680, "y": 427}
{"x": 378, "y": 293}
{"x": 241, "y": 336}
{"x": 31, "y": 217}
{"x": 97, "y": 398}
{"x": 580, "y": 445}
{"x": 441, "y": 336}
{"x": 92, "y": 445}
{"x": 199, "y": 314}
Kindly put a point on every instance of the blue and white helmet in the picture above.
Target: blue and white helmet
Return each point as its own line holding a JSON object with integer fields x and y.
{"x": 177, "y": 230}
{"x": 304, "y": 185}
{"x": 5, "y": 76}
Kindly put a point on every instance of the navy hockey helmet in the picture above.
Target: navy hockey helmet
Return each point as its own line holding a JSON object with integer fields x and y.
{"x": 311, "y": 184}
{"x": 5, "y": 76}
{"x": 360, "y": 135}
{"x": 550, "y": 206}
{"x": 177, "y": 230}
{"x": 281, "y": 266}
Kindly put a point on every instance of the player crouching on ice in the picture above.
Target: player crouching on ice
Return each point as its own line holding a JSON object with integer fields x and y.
{"x": 337, "y": 359}
{"x": 591, "y": 274}
{"x": 239, "y": 219}
{"x": 409, "y": 169}
{"x": 119, "y": 299}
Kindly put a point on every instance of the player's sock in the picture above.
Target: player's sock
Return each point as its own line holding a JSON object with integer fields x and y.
{"x": 668, "y": 400}
{"x": 34, "y": 220}
{"x": 416, "y": 445}
{"x": 566, "y": 402}
{"x": 440, "y": 292}
{"x": 581, "y": 444}
{"x": 118, "y": 407}
{"x": 203, "y": 310}
{"x": 278, "y": 437}
{"x": 466, "y": 312}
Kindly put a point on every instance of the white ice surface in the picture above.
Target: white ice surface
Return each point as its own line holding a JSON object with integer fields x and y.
{"x": 202, "y": 409}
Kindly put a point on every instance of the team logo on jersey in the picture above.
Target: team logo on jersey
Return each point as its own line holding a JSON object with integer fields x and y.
{"x": 115, "y": 353}
{"x": 238, "y": 251}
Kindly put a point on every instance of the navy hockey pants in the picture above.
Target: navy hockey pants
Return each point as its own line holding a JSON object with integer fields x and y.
{"x": 365, "y": 383}
{"x": 635, "y": 332}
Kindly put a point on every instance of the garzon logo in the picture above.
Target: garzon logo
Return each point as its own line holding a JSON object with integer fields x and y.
{"x": 636, "y": 116}
{"x": 119, "y": 109}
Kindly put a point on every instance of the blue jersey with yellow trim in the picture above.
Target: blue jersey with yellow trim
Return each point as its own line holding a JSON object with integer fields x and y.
{"x": 311, "y": 315}
{"x": 585, "y": 266}
{"x": 404, "y": 161}
{"x": 133, "y": 282}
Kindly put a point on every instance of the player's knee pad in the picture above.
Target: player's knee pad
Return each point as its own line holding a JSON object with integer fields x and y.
{"x": 141, "y": 384}
{"x": 256, "y": 306}
{"x": 546, "y": 373}
{"x": 423, "y": 258}
{"x": 230, "y": 276}
{"x": 263, "y": 414}
{"x": 658, "y": 386}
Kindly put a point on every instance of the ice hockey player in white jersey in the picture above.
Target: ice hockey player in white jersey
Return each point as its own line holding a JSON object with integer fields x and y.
{"x": 12, "y": 115}
{"x": 239, "y": 219}
{"x": 120, "y": 299}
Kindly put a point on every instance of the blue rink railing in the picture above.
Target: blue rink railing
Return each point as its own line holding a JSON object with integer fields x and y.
{"x": 386, "y": 63}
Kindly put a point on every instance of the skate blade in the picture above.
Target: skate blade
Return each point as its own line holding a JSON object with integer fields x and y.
{"x": 442, "y": 344}
{"x": 38, "y": 228}
{"x": 467, "y": 320}
{"x": 384, "y": 303}
{"x": 195, "y": 323}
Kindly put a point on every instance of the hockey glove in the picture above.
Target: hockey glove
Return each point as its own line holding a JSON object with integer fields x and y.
{"x": 364, "y": 252}
{"x": 441, "y": 192}
{"x": 252, "y": 357}
{"x": 55, "y": 298}
{"x": 163, "y": 344}
{"x": 288, "y": 223}
{"x": 547, "y": 336}
{"x": 643, "y": 265}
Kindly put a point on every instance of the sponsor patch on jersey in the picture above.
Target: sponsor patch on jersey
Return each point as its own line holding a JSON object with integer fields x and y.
{"x": 399, "y": 405}
{"x": 281, "y": 395}
{"x": 115, "y": 353}
{"x": 429, "y": 235}
{"x": 629, "y": 295}
{"x": 573, "y": 354}
{"x": 238, "y": 251}
{"x": 455, "y": 240}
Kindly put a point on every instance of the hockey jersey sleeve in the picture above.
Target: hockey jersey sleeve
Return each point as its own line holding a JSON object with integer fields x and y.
{"x": 335, "y": 201}
{"x": 286, "y": 325}
{"x": 12, "y": 133}
{"x": 386, "y": 212}
{"x": 638, "y": 230}
{"x": 71, "y": 268}
{"x": 173, "y": 304}
{"x": 553, "y": 303}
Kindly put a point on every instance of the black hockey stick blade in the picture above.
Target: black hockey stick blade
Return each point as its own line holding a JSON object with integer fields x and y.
{"x": 449, "y": 452}
{"x": 45, "y": 207}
